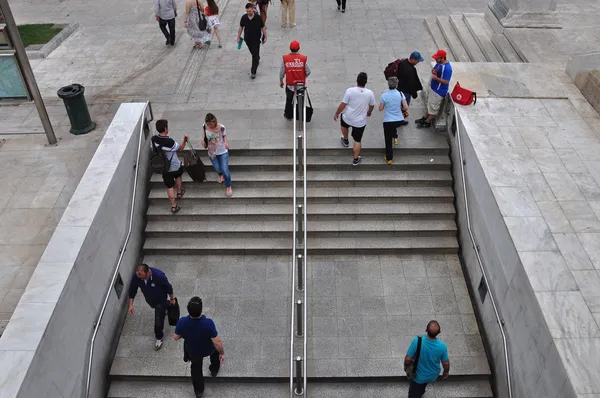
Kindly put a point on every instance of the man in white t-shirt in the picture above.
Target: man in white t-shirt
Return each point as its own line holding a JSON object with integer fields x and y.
{"x": 355, "y": 108}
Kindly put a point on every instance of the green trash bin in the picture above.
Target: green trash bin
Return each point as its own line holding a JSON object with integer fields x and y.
{"x": 77, "y": 109}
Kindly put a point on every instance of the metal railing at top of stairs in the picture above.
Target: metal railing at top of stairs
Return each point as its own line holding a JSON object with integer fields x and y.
{"x": 88, "y": 375}
{"x": 499, "y": 320}
{"x": 299, "y": 288}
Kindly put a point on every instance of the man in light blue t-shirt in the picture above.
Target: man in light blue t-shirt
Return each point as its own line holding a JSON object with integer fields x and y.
{"x": 433, "y": 351}
{"x": 438, "y": 88}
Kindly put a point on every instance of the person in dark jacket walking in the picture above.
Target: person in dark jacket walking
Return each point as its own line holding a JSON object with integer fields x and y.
{"x": 408, "y": 78}
{"x": 155, "y": 286}
{"x": 200, "y": 340}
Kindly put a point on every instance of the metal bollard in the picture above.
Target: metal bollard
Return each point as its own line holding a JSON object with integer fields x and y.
{"x": 299, "y": 231}
{"x": 300, "y": 273}
{"x": 299, "y": 157}
{"x": 299, "y": 314}
{"x": 299, "y": 389}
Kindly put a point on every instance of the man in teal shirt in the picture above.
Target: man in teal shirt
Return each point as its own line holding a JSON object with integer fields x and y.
{"x": 433, "y": 351}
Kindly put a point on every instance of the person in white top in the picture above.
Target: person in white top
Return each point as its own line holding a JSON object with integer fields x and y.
{"x": 355, "y": 108}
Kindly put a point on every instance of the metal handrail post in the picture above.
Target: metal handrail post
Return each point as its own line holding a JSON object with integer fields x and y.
{"x": 299, "y": 390}
{"x": 299, "y": 268}
{"x": 98, "y": 321}
{"x": 300, "y": 219}
{"x": 305, "y": 237}
{"x": 499, "y": 320}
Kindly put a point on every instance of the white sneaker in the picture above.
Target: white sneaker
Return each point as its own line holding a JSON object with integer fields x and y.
{"x": 158, "y": 345}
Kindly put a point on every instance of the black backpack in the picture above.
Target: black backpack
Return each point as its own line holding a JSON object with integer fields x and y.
{"x": 159, "y": 162}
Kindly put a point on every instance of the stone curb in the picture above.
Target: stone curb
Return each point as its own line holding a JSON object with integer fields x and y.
{"x": 54, "y": 42}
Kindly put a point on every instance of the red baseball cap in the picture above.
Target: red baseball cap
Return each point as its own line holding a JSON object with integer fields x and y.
{"x": 294, "y": 46}
{"x": 439, "y": 54}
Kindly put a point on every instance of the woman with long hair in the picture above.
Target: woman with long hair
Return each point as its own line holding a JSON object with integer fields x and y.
{"x": 212, "y": 12}
{"x": 215, "y": 140}
{"x": 193, "y": 11}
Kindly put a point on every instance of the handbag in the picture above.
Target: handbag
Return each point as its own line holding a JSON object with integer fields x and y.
{"x": 202, "y": 23}
{"x": 411, "y": 370}
{"x": 173, "y": 313}
{"x": 309, "y": 109}
{"x": 462, "y": 96}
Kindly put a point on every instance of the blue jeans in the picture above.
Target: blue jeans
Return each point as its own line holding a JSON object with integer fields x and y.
{"x": 408, "y": 97}
{"x": 221, "y": 165}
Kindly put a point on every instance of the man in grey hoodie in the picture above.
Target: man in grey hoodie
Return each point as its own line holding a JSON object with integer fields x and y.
{"x": 166, "y": 11}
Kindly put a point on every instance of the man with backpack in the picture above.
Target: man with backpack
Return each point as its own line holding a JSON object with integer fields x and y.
{"x": 422, "y": 362}
{"x": 409, "y": 83}
{"x": 168, "y": 148}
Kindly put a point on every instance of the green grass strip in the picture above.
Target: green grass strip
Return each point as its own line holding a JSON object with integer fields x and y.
{"x": 38, "y": 33}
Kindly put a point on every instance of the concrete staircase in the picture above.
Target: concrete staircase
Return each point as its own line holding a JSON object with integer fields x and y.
{"x": 472, "y": 37}
{"x": 382, "y": 261}
{"x": 374, "y": 208}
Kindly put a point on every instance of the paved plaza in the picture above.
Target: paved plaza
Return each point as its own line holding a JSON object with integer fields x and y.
{"x": 119, "y": 55}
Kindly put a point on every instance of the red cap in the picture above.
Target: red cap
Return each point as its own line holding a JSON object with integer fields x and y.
{"x": 439, "y": 54}
{"x": 294, "y": 46}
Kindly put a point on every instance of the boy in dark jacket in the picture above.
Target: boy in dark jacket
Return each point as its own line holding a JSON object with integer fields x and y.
{"x": 408, "y": 78}
{"x": 155, "y": 286}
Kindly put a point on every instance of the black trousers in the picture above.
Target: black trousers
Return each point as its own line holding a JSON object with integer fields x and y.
{"x": 416, "y": 390}
{"x": 389, "y": 133}
{"x": 289, "y": 103}
{"x": 341, "y": 3}
{"x": 159, "y": 320}
{"x": 170, "y": 34}
{"x": 254, "y": 48}
{"x": 196, "y": 369}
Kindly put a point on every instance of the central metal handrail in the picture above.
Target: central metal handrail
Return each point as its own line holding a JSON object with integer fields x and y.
{"x": 476, "y": 249}
{"x": 97, "y": 323}
{"x": 299, "y": 264}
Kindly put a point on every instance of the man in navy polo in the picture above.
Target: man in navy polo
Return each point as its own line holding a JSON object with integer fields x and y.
{"x": 201, "y": 340}
{"x": 155, "y": 286}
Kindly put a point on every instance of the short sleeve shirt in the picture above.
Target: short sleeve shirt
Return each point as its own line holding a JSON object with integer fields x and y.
{"x": 216, "y": 142}
{"x": 198, "y": 334}
{"x": 357, "y": 100}
{"x": 170, "y": 148}
{"x": 433, "y": 352}
{"x": 444, "y": 71}
{"x": 252, "y": 28}
{"x": 392, "y": 100}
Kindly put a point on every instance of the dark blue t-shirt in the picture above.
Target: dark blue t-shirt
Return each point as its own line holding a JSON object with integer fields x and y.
{"x": 444, "y": 71}
{"x": 198, "y": 334}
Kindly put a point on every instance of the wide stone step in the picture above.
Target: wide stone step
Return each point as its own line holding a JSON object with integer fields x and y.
{"x": 454, "y": 43}
{"x": 467, "y": 39}
{"x": 316, "y": 229}
{"x": 335, "y": 162}
{"x": 210, "y": 193}
{"x": 438, "y": 36}
{"x": 322, "y": 211}
{"x": 483, "y": 33}
{"x": 172, "y": 388}
{"x": 334, "y": 178}
{"x": 365, "y": 245}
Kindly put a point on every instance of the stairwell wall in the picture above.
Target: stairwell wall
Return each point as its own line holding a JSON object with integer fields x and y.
{"x": 55, "y": 317}
{"x": 536, "y": 367}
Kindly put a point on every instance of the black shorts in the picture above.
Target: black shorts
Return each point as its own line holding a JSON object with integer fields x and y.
{"x": 357, "y": 132}
{"x": 170, "y": 177}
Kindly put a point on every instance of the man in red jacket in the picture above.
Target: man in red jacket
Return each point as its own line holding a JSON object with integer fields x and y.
{"x": 294, "y": 66}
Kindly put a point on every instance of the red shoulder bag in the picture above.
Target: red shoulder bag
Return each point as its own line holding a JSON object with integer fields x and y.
{"x": 463, "y": 96}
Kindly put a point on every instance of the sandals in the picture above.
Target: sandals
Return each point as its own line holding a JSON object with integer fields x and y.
{"x": 220, "y": 179}
{"x": 175, "y": 209}
{"x": 228, "y": 191}
{"x": 180, "y": 194}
